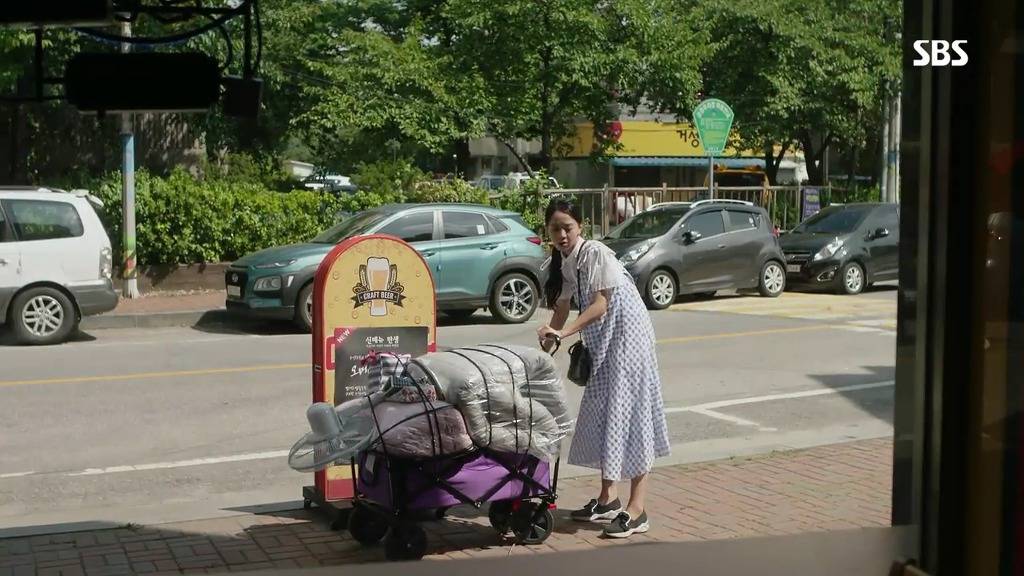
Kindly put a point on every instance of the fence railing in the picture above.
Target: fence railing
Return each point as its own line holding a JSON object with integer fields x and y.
{"x": 604, "y": 208}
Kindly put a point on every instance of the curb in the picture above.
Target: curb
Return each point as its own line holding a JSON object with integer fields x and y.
{"x": 191, "y": 318}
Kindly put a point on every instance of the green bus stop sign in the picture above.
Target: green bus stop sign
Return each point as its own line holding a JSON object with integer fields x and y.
{"x": 713, "y": 119}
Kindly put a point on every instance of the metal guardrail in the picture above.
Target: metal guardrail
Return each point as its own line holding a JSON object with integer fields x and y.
{"x": 604, "y": 208}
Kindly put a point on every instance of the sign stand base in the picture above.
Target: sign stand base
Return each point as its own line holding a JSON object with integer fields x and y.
{"x": 338, "y": 510}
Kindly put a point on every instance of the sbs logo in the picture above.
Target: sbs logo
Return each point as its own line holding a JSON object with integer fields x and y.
{"x": 938, "y": 54}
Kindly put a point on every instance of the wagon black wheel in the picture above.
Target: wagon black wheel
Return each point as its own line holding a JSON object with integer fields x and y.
{"x": 500, "y": 515}
{"x": 530, "y": 527}
{"x": 405, "y": 541}
{"x": 366, "y": 527}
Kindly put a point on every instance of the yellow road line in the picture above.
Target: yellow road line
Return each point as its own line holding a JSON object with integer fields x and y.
{"x": 270, "y": 367}
{"x": 148, "y": 375}
{"x": 743, "y": 334}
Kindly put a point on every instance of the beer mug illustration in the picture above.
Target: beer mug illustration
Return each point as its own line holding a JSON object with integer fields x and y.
{"x": 378, "y": 271}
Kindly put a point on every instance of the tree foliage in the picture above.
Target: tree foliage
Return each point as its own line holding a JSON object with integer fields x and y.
{"x": 809, "y": 74}
{"x": 362, "y": 81}
{"x": 438, "y": 73}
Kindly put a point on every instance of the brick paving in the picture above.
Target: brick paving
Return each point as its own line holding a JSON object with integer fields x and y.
{"x": 834, "y": 487}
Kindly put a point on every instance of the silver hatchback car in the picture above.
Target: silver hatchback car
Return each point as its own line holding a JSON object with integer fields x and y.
{"x": 700, "y": 248}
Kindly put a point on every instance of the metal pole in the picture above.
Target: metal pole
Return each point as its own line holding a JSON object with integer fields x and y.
{"x": 129, "y": 272}
{"x": 899, "y": 150}
{"x": 897, "y": 135}
{"x": 711, "y": 177}
{"x": 883, "y": 180}
{"x": 607, "y": 207}
{"x": 825, "y": 166}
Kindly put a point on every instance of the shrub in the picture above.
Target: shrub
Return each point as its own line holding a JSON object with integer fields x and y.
{"x": 180, "y": 219}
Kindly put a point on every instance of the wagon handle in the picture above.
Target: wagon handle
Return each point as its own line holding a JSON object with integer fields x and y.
{"x": 558, "y": 342}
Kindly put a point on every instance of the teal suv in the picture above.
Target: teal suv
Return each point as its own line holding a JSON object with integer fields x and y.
{"x": 479, "y": 256}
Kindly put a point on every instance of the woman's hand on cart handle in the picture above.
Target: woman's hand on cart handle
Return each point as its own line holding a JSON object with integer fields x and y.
{"x": 548, "y": 337}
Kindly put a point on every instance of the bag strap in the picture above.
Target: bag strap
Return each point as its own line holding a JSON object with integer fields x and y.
{"x": 579, "y": 284}
{"x": 579, "y": 287}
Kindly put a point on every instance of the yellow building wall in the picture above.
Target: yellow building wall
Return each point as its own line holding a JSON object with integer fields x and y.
{"x": 645, "y": 138}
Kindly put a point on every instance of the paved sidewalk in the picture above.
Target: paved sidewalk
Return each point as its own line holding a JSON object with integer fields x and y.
{"x": 167, "y": 309}
{"x": 841, "y": 486}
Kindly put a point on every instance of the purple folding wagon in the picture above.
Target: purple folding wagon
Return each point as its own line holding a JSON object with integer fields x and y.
{"x": 520, "y": 488}
{"x": 391, "y": 492}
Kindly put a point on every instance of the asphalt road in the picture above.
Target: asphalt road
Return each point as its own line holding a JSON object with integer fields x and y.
{"x": 161, "y": 425}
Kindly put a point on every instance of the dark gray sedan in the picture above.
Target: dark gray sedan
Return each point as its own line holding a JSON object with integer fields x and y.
{"x": 699, "y": 248}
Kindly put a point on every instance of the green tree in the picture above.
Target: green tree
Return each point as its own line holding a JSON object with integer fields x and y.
{"x": 388, "y": 96}
{"x": 548, "y": 63}
{"x": 292, "y": 30}
{"x": 808, "y": 74}
{"x": 432, "y": 75}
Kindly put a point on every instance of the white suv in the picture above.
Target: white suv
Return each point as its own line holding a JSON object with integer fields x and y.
{"x": 55, "y": 263}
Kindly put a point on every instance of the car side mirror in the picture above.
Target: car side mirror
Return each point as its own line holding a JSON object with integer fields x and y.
{"x": 691, "y": 236}
{"x": 879, "y": 233}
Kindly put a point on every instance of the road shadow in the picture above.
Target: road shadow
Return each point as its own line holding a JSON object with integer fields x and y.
{"x": 879, "y": 288}
{"x": 862, "y": 390}
{"x": 882, "y": 287}
{"x": 694, "y": 299}
{"x": 8, "y": 339}
{"x": 223, "y": 322}
{"x": 480, "y": 318}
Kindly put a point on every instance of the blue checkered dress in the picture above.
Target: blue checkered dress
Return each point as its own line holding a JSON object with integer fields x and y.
{"x": 621, "y": 427}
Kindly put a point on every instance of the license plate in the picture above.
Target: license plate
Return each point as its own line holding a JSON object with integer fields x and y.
{"x": 234, "y": 291}
{"x": 793, "y": 268}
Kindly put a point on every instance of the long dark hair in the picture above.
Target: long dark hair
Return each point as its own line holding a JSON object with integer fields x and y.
{"x": 553, "y": 286}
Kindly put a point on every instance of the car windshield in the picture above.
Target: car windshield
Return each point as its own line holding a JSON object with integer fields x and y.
{"x": 358, "y": 224}
{"x": 834, "y": 220}
{"x": 649, "y": 224}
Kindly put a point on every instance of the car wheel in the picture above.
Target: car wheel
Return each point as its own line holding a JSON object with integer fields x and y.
{"x": 661, "y": 290}
{"x": 460, "y": 315}
{"x": 304, "y": 308}
{"x": 41, "y": 316}
{"x": 514, "y": 298}
{"x": 851, "y": 279}
{"x": 773, "y": 280}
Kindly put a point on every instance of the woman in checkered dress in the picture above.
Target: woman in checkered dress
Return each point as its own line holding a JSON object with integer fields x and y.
{"x": 621, "y": 427}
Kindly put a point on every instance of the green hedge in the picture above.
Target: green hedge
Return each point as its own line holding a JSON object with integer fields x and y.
{"x": 184, "y": 220}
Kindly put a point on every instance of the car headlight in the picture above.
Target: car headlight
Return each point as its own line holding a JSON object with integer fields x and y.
{"x": 268, "y": 284}
{"x": 829, "y": 250}
{"x": 637, "y": 252}
{"x": 273, "y": 265}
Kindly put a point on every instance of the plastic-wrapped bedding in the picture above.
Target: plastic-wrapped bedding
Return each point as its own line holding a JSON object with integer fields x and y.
{"x": 511, "y": 396}
{"x": 423, "y": 429}
{"x": 420, "y": 430}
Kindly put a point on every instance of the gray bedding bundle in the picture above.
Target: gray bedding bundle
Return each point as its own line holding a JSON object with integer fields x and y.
{"x": 511, "y": 396}
{"x": 497, "y": 396}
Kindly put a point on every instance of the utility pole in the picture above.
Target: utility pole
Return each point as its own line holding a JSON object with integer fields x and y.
{"x": 894, "y": 144}
{"x": 883, "y": 180}
{"x": 711, "y": 177}
{"x": 129, "y": 272}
